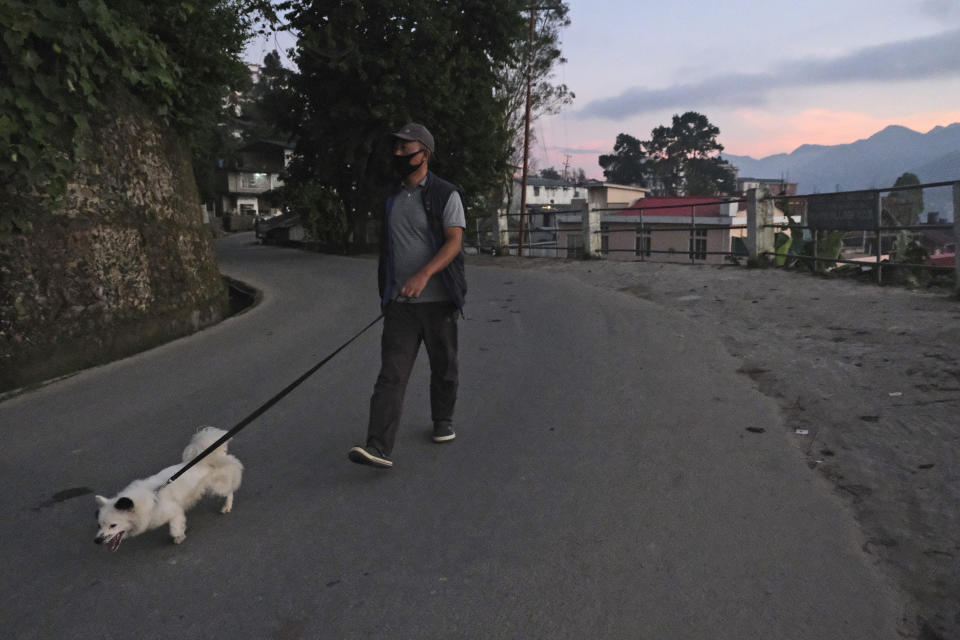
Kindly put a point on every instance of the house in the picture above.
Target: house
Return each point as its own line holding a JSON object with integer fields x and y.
{"x": 943, "y": 257}
{"x": 545, "y": 196}
{"x": 550, "y": 200}
{"x": 667, "y": 229}
{"x": 609, "y": 195}
{"x": 939, "y": 242}
{"x": 545, "y": 191}
{"x": 241, "y": 184}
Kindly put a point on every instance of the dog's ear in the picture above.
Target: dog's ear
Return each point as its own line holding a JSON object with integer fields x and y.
{"x": 101, "y": 501}
{"x": 124, "y": 504}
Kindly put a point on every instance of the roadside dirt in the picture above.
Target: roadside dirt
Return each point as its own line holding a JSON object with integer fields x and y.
{"x": 868, "y": 379}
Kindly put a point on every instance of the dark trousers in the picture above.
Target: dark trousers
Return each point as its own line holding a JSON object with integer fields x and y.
{"x": 405, "y": 326}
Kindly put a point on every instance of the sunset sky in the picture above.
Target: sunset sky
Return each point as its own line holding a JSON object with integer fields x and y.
{"x": 771, "y": 75}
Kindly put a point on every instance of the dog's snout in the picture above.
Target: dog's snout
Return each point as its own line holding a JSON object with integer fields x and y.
{"x": 98, "y": 540}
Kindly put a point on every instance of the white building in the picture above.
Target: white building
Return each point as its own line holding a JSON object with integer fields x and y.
{"x": 255, "y": 171}
{"x": 549, "y": 199}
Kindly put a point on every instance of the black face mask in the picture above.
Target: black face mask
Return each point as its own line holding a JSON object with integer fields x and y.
{"x": 402, "y": 166}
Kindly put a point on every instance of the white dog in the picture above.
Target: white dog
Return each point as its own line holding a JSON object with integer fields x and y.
{"x": 150, "y": 503}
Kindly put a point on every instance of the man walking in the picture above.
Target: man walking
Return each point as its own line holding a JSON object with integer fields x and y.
{"x": 422, "y": 289}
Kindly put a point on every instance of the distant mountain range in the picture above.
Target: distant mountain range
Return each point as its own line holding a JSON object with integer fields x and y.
{"x": 876, "y": 162}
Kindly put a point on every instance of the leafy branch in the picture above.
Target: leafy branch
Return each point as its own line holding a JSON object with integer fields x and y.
{"x": 68, "y": 65}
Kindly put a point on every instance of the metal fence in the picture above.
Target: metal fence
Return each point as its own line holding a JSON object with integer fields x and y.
{"x": 899, "y": 230}
{"x": 877, "y": 230}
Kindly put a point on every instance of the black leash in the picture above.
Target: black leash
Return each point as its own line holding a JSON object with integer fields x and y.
{"x": 269, "y": 403}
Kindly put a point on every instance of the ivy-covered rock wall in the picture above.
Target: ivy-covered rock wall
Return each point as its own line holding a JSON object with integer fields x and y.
{"x": 123, "y": 263}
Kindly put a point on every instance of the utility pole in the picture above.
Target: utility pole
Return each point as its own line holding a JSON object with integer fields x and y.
{"x": 526, "y": 134}
{"x": 526, "y": 124}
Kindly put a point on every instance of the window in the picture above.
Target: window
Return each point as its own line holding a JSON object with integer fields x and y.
{"x": 604, "y": 239}
{"x": 253, "y": 180}
{"x": 643, "y": 243}
{"x": 698, "y": 244}
{"x": 536, "y": 191}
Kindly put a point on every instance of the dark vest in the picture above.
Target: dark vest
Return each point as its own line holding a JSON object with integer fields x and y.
{"x": 435, "y": 194}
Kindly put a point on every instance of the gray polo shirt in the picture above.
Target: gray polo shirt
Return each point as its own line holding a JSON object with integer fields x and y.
{"x": 413, "y": 246}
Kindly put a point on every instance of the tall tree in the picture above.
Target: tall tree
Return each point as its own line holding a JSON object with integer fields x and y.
{"x": 270, "y": 109}
{"x": 539, "y": 57}
{"x": 665, "y": 166}
{"x": 685, "y": 160}
{"x": 902, "y": 208}
{"x": 711, "y": 176}
{"x": 626, "y": 164}
{"x": 368, "y": 66}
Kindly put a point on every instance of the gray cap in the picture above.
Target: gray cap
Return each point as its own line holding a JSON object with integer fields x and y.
{"x": 418, "y": 132}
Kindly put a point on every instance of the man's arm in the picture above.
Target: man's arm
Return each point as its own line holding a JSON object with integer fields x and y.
{"x": 453, "y": 241}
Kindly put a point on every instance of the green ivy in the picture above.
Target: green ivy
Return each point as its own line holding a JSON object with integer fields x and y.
{"x": 69, "y": 65}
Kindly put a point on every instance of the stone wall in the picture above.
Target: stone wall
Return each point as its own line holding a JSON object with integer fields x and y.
{"x": 123, "y": 263}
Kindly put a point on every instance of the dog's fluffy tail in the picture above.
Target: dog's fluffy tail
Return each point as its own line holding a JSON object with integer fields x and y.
{"x": 203, "y": 438}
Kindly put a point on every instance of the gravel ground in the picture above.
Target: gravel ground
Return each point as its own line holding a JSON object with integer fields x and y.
{"x": 868, "y": 379}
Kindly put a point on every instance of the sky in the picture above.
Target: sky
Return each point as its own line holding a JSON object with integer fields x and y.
{"x": 771, "y": 75}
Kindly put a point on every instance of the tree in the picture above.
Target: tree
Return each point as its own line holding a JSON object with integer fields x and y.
{"x": 903, "y": 208}
{"x": 684, "y": 158}
{"x": 709, "y": 177}
{"x": 368, "y": 66}
{"x": 174, "y": 60}
{"x": 550, "y": 174}
{"x": 269, "y": 111}
{"x": 626, "y": 164}
{"x": 539, "y": 57}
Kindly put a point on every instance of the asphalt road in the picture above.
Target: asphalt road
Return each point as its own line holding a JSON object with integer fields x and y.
{"x": 603, "y": 483}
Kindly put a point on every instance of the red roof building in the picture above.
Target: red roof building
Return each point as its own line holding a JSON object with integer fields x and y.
{"x": 668, "y": 229}
{"x": 680, "y": 207}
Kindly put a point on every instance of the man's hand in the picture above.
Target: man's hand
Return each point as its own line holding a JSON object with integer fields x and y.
{"x": 453, "y": 241}
{"x": 413, "y": 287}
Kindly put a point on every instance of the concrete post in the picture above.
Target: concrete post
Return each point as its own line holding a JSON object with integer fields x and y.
{"x": 591, "y": 232}
{"x": 501, "y": 231}
{"x": 760, "y": 238}
{"x": 956, "y": 235}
